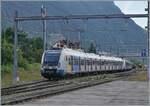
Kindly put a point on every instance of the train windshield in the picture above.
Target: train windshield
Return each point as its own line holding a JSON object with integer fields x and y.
{"x": 51, "y": 58}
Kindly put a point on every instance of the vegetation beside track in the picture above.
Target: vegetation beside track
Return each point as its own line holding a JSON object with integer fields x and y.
{"x": 139, "y": 76}
{"x": 29, "y": 56}
{"x": 33, "y": 73}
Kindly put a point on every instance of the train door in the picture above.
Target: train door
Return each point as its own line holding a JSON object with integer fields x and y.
{"x": 95, "y": 65}
{"x": 85, "y": 65}
{"x": 68, "y": 60}
{"x": 91, "y": 64}
{"x": 71, "y": 61}
{"x": 82, "y": 64}
{"x": 123, "y": 64}
{"x": 79, "y": 62}
{"x": 75, "y": 64}
{"x": 99, "y": 65}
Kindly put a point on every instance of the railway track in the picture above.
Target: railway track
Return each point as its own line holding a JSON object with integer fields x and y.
{"x": 13, "y": 89}
{"x": 29, "y": 88}
{"x": 21, "y": 93}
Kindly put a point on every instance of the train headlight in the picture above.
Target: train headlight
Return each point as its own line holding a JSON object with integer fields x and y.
{"x": 43, "y": 67}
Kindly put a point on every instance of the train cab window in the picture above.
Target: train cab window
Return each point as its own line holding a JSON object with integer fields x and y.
{"x": 51, "y": 58}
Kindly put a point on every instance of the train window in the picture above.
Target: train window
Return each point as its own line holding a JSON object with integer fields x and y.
{"x": 66, "y": 58}
{"x": 82, "y": 62}
{"x": 85, "y": 63}
{"x": 96, "y": 62}
{"x": 99, "y": 62}
{"x": 74, "y": 60}
{"x": 91, "y": 62}
{"x": 102, "y": 62}
{"x": 79, "y": 63}
{"x": 71, "y": 60}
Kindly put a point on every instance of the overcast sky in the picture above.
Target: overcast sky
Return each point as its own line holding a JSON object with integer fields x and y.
{"x": 134, "y": 7}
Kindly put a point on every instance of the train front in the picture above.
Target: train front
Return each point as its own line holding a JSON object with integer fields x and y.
{"x": 50, "y": 63}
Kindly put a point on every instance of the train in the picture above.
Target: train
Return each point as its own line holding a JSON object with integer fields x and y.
{"x": 66, "y": 61}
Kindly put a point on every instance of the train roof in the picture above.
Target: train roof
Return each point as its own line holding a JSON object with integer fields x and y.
{"x": 81, "y": 54}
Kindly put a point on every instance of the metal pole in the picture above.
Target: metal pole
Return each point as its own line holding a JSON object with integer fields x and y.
{"x": 43, "y": 13}
{"x": 79, "y": 38}
{"x": 15, "y": 66}
{"x": 44, "y": 35}
{"x": 148, "y": 41}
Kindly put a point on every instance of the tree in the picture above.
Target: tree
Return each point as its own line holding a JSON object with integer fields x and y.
{"x": 92, "y": 48}
{"x": 8, "y": 35}
{"x": 6, "y": 52}
{"x": 29, "y": 49}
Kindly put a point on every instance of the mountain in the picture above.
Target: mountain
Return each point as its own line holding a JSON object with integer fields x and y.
{"x": 110, "y": 35}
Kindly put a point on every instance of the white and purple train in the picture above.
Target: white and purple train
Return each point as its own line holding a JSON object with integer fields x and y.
{"x": 65, "y": 61}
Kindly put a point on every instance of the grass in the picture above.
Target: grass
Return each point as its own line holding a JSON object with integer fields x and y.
{"x": 139, "y": 76}
{"x": 31, "y": 74}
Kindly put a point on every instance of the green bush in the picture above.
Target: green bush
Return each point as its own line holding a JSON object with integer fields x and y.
{"x": 21, "y": 60}
{"x": 21, "y": 69}
{"x": 6, "y": 68}
{"x": 33, "y": 66}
